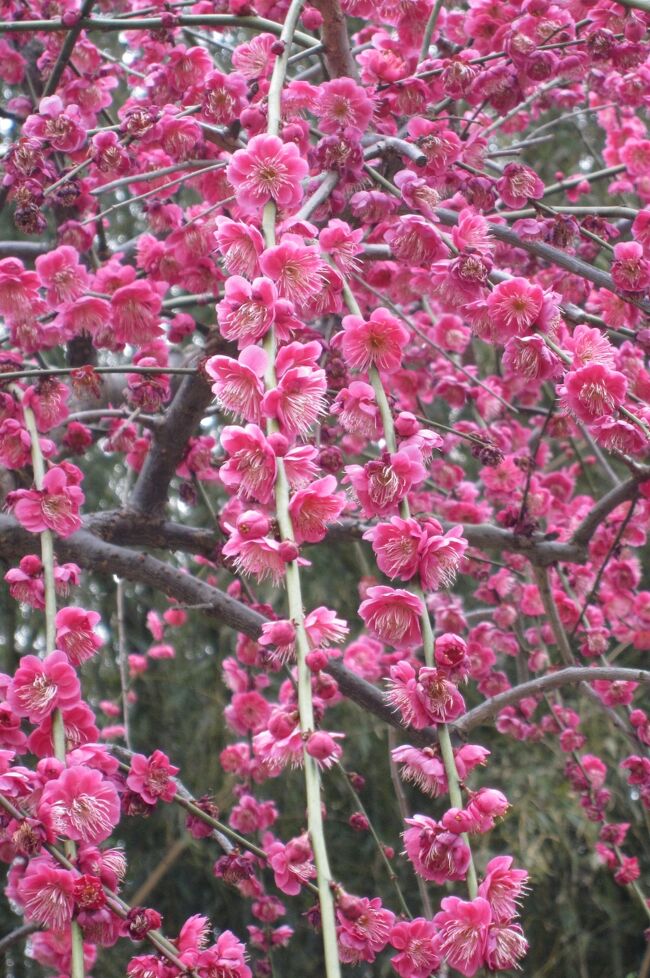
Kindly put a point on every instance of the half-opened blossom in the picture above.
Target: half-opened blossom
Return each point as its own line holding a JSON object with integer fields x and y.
{"x": 251, "y": 468}
{"x": 247, "y": 311}
{"x": 81, "y": 804}
{"x": 463, "y": 928}
{"x": 342, "y": 104}
{"x": 312, "y": 508}
{"x": 267, "y": 169}
{"x": 48, "y": 400}
{"x": 513, "y": 306}
{"x": 238, "y": 384}
{"x": 393, "y": 615}
{"x": 240, "y": 246}
{"x": 518, "y": 185}
{"x": 418, "y": 944}
{"x": 422, "y": 768}
{"x": 378, "y": 342}
{"x": 75, "y": 634}
{"x": 506, "y": 945}
{"x": 298, "y": 397}
{"x": 292, "y": 864}
{"x": 46, "y": 892}
{"x": 594, "y": 391}
{"x": 152, "y": 777}
{"x": 396, "y": 545}
{"x": 357, "y": 410}
{"x": 415, "y": 240}
{"x": 503, "y": 887}
{"x": 78, "y": 728}
{"x": 630, "y": 270}
{"x": 380, "y": 485}
{"x": 440, "y": 555}
{"x": 54, "y": 507}
{"x": 437, "y": 854}
{"x": 136, "y": 313}
{"x": 40, "y": 686}
{"x": 364, "y": 927}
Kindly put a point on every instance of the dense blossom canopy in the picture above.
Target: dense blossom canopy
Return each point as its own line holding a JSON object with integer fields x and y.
{"x": 311, "y": 277}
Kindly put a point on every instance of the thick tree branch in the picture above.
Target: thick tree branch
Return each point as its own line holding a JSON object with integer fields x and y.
{"x": 571, "y": 676}
{"x": 334, "y": 32}
{"x": 623, "y": 493}
{"x": 170, "y": 442}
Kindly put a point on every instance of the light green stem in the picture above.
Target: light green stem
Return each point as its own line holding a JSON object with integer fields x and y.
{"x": 58, "y": 729}
{"x": 429, "y": 29}
{"x": 292, "y": 571}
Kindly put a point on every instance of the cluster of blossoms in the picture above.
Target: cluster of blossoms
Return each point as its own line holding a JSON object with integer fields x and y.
{"x": 359, "y": 259}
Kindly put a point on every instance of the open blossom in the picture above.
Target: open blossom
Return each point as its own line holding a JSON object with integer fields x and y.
{"x": 46, "y": 892}
{"x": 396, "y": 545}
{"x": 238, "y": 384}
{"x": 364, "y": 927}
{"x": 418, "y": 944}
{"x": 342, "y": 104}
{"x": 502, "y": 887}
{"x": 378, "y": 342}
{"x": 267, "y": 169}
{"x": 513, "y": 306}
{"x": 424, "y": 697}
{"x": 440, "y": 555}
{"x": 594, "y": 391}
{"x": 393, "y": 615}
{"x": 380, "y": 485}
{"x": 152, "y": 777}
{"x": 297, "y": 269}
{"x": 61, "y": 273}
{"x": 251, "y": 467}
{"x": 75, "y": 634}
{"x": 630, "y": 270}
{"x": 292, "y": 864}
{"x": 463, "y": 928}
{"x": 312, "y": 508}
{"x": 437, "y": 854}
{"x": 136, "y": 313}
{"x": 40, "y": 686}
{"x": 54, "y": 507}
{"x": 81, "y": 805}
{"x": 247, "y": 310}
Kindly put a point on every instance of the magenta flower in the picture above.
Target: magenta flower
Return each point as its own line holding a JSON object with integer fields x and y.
{"x": 357, "y": 409}
{"x": 503, "y": 887}
{"x": 292, "y": 864}
{"x": 342, "y": 104}
{"x": 518, "y": 185}
{"x": 267, "y": 169}
{"x": 297, "y": 269}
{"x": 40, "y": 686}
{"x": 247, "y": 310}
{"x": 463, "y": 928}
{"x": 152, "y": 777}
{"x": 594, "y": 391}
{"x": 75, "y": 635}
{"x": 418, "y": 944}
{"x": 380, "y": 485}
{"x": 630, "y": 270}
{"x": 513, "y": 306}
{"x": 393, "y": 616}
{"x": 364, "y": 928}
{"x": 62, "y": 274}
{"x": 136, "y": 309}
{"x": 298, "y": 397}
{"x": 436, "y": 853}
{"x": 440, "y": 555}
{"x": 238, "y": 384}
{"x": 47, "y": 893}
{"x": 251, "y": 468}
{"x": 62, "y": 126}
{"x": 506, "y": 945}
{"x": 396, "y": 545}
{"x": 81, "y": 805}
{"x": 240, "y": 245}
{"x": 312, "y": 508}
{"x": 54, "y": 507}
{"x": 378, "y": 342}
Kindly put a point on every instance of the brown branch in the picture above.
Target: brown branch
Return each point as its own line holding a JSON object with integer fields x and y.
{"x": 96, "y": 555}
{"x": 19, "y": 934}
{"x": 571, "y": 676}
{"x": 621, "y": 494}
{"x": 336, "y": 41}
{"x": 170, "y": 442}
